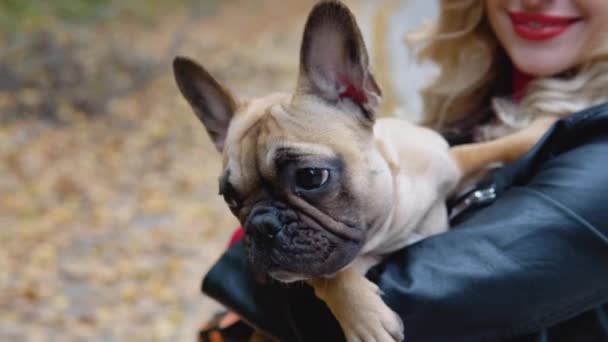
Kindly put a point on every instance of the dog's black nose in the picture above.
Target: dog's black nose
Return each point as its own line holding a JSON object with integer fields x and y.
{"x": 264, "y": 226}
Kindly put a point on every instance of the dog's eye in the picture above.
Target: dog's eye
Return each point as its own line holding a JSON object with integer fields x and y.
{"x": 311, "y": 178}
{"x": 232, "y": 203}
{"x": 229, "y": 193}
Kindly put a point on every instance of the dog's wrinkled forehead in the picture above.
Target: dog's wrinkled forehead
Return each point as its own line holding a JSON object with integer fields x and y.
{"x": 271, "y": 130}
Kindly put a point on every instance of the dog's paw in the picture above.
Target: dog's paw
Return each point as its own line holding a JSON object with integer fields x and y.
{"x": 363, "y": 315}
{"x": 381, "y": 325}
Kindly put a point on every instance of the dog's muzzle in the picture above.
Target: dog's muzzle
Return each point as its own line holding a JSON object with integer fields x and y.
{"x": 281, "y": 240}
{"x": 263, "y": 225}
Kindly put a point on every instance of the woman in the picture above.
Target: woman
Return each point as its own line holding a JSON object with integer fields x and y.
{"x": 529, "y": 262}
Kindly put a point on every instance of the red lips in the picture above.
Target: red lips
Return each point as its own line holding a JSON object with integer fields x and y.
{"x": 538, "y": 27}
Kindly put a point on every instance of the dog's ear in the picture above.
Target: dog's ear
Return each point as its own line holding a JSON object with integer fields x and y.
{"x": 213, "y": 104}
{"x": 333, "y": 59}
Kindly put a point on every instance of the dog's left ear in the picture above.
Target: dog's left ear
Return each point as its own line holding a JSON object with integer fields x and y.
{"x": 213, "y": 104}
{"x": 333, "y": 59}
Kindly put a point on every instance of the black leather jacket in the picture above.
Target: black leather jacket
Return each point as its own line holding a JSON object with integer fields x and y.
{"x": 530, "y": 266}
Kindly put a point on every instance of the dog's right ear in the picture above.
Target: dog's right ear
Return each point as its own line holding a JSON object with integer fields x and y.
{"x": 212, "y": 104}
{"x": 334, "y": 63}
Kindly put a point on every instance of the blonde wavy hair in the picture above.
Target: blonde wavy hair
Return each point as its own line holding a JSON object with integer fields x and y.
{"x": 466, "y": 100}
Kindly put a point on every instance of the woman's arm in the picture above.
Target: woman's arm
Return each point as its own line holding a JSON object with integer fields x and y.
{"x": 535, "y": 257}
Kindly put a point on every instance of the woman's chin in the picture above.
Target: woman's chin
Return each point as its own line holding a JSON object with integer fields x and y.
{"x": 542, "y": 62}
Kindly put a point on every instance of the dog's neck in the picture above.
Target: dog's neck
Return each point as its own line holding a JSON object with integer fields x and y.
{"x": 419, "y": 186}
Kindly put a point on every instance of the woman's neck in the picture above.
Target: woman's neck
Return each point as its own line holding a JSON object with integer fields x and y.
{"x": 520, "y": 84}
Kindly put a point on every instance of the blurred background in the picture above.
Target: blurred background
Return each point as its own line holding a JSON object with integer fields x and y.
{"x": 109, "y": 214}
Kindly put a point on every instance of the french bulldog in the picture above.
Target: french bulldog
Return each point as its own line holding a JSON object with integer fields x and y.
{"x": 322, "y": 188}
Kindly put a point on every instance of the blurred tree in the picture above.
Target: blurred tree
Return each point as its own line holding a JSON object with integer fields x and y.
{"x": 25, "y": 15}
{"x": 65, "y": 58}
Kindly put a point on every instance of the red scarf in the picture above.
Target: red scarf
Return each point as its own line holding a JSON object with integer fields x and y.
{"x": 520, "y": 83}
{"x": 236, "y": 236}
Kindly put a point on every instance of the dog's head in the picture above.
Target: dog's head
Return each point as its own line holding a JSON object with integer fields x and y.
{"x": 299, "y": 170}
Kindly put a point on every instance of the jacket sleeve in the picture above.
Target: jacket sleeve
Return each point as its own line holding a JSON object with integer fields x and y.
{"x": 535, "y": 257}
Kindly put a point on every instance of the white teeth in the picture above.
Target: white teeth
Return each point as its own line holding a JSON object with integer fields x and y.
{"x": 538, "y": 25}
{"x": 535, "y": 24}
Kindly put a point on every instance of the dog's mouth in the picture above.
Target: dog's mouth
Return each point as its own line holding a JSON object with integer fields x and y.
{"x": 292, "y": 245}
{"x": 286, "y": 277}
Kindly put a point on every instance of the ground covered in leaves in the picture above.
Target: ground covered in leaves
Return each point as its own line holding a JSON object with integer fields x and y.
{"x": 109, "y": 214}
